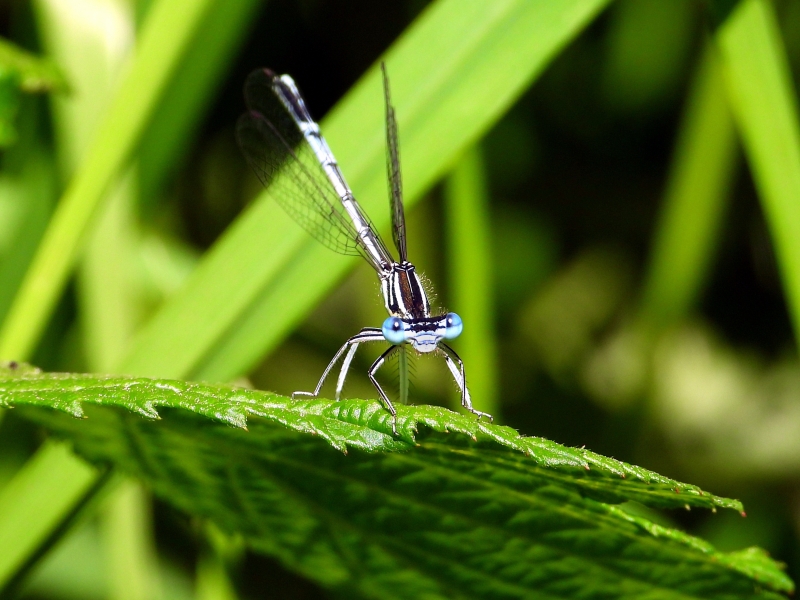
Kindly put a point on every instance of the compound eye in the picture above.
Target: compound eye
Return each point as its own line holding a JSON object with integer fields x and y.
{"x": 394, "y": 330}
{"x": 453, "y": 326}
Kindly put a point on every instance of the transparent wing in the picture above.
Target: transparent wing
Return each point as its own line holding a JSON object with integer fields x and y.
{"x": 393, "y": 173}
{"x": 276, "y": 148}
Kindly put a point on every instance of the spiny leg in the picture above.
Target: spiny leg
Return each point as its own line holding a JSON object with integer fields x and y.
{"x": 372, "y": 370}
{"x": 348, "y": 358}
{"x": 368, "y": 334}
{"x": 456, "y": 366}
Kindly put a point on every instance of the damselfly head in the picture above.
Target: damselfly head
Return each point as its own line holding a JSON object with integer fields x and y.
{"x": 423, "y": 334}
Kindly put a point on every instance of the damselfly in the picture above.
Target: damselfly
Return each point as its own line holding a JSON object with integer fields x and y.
{"x": 285, "y": 148}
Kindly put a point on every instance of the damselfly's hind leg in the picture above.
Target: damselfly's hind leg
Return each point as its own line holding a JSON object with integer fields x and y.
{"x": 374, "y": 369}
{"x": 456, "y": 366}
{"x": 368, "y": 334}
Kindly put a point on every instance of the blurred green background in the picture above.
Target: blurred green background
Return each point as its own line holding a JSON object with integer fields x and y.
{"x": 604, "y": 242}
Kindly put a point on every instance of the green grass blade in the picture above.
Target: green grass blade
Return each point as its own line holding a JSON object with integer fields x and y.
{"x": 698, "y": 187}
{"x": 764, "y": 105}
{"x": 129, "y": 544}
{"x": 212, "y": 581}
{"x": 83, "y": 48}
{"x": 454, "y": 72}
{"x": 26, "y": 202}
{"x": 452, "y": 507}
{"x": 106, "y": 294}
{"x": 169, "y": 27}
{"x": 52, "y": 479}
{"x": 207, "y": 58}
{"x": 470, "y": 267}
{"x": 220, "y": 554}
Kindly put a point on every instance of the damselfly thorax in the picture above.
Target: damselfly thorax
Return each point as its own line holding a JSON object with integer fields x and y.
{"x": 403, "y": 294}
{"x": 284, "y": 146}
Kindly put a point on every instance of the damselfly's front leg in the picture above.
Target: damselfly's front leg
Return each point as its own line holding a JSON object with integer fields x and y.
{"x": 374, "y": 369}
{"x": 368, "y": 334}
{"x": 456, "y": 366}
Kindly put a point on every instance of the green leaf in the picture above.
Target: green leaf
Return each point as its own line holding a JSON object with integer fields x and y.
{"x": 449, "y": 508}
{"x": 26, "y": 202}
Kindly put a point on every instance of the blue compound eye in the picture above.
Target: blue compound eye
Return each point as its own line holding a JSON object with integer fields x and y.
{"x": 453, "y": 326}
{"x": 394, "y": 330}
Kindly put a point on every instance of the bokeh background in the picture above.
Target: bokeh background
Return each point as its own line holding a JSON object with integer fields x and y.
{"x": 573, "y": 330}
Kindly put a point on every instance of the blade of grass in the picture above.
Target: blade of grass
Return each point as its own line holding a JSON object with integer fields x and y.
{"x": 33, "y": 193}
{"x": 694, "y": 204}
{"x": 470, "y": 268}
{"x": 107, "y": 299}
{"x": 206, "y": 62}
{"x": 220, "y": 552}
{"x": 128, "y": 531}
{"x": 29, "y": 183}
{"x": 764, "y": 105}
{"x": 454, "y": 72}
{"x": 93, "y": 51}
{"x": 403, "y": 374}
{"x": 33, "y": 73}
{"x": 91, "y": 42}
{"x": 31, "y": 504}
{"x": 169, "y": 27}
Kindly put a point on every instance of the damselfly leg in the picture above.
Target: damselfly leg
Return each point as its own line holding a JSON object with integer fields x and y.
{"x": 374, "y": 369}
{"x": 456, "y": 366}
{"x": 367, "y": 334}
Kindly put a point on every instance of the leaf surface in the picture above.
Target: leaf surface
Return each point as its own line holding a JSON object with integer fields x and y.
{"x": 451, "y": 507}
